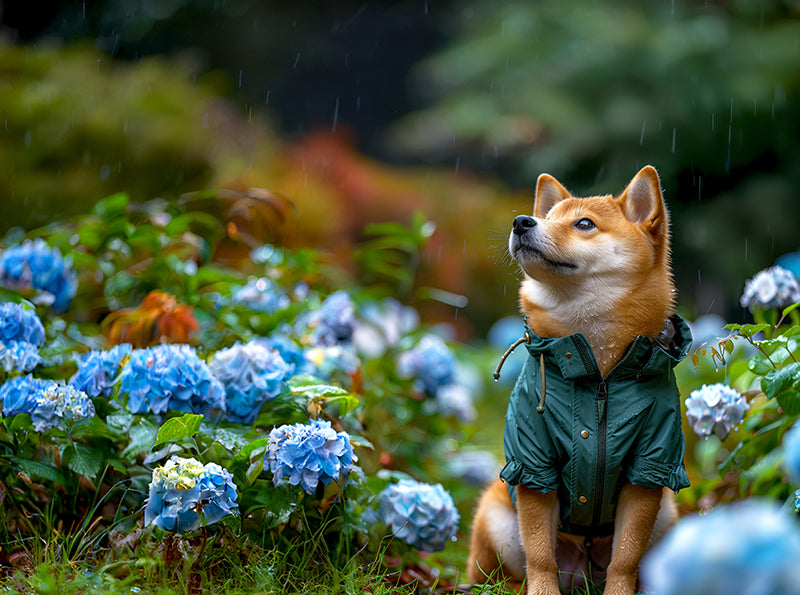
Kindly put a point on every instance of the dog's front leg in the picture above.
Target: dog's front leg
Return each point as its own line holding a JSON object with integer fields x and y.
{"x": 637, "y": 510}
{"x": 538, "y": 518}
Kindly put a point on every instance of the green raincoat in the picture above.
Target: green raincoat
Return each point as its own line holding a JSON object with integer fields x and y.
{"x": 595, "y": 434}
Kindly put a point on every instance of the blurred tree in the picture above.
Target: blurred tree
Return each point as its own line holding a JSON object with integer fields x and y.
{"x": 589, "y": 92}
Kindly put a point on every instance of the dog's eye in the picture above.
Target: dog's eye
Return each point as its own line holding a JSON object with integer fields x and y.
{"x": 585, "y": 224}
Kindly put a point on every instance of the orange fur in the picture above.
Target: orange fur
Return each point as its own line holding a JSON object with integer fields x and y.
{"x": 611, "y": 282}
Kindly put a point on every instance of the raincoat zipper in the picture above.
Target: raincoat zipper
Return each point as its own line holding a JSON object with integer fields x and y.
{"x": 601, "y": 398}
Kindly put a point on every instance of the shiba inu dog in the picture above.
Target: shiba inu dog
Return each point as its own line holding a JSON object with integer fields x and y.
{"x": 593, "y": 441}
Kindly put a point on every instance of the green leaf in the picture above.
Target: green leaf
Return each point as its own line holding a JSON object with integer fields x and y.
{"x": 82, "y": 460}
{"x": 787, "y": 310}
{"x": 37, "y": 470}
{"x": 747, "y": 330}
{"x": 177, "y": 428}
{"x": 760, "y": 365}
{"x": 313, "y": 388}
{"x": 142, "y": 437}
{"x": 777, "y": 381}
{"x": 789, "y": 401}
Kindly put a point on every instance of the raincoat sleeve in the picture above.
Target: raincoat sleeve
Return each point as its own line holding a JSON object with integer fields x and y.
{"x": 659, "y": 448}
{"x": 531, "y": 455}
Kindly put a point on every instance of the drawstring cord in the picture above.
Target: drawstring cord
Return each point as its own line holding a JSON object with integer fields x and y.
{"x": 509, "y": 351}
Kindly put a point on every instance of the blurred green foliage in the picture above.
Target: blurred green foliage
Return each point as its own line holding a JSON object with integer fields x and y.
{"x": 589, "y": 92}
{"x": 77, "y": 126}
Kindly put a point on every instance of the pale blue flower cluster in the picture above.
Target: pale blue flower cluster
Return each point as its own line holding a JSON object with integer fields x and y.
{"x": 262, "y": 295}
{"x": 170, "y": 377}
{"x": 430, "y": 363}
{"x": 291, "y": 352}
{"x": 252, "y": 373}
{"x": 715, "y": 408}
{"x": 18, "y": 395}
{"x": 772, "y": 288}
{"x": 98, "y": 369}
{"x": 58, "y": 405}
{"x": 308, "y": 454}
{"x": 185, "y": 495}
{"x": 21, "y": 335}
{"x": 751, "y": 548}
{"x": 36, "y": 265}
{"x": 791, "y": 453}
{"x": 333, "y": 322}
{"x": 422, "y": 515}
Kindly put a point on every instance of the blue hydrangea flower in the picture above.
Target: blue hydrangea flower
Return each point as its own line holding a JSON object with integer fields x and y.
{"x": 772, "y": 288}
{"x": 97, "y": 370}
{"x": 307, "y": 454}
{"x": 36, "y": 265}
{"x": 455, "y": 400}
{"x": 21, "y": 335}
{"x": 717, "y": 408}
{"x": 291, "y": 352}
{"x": 18, "y": 395}
{"x": 58, "y": 404}
{"x": 422, "y": 515}
{"x": 19, "y": 356}
{"x": 431, "y": 364}
{"x": 791, "y": 453}
{"x": 253, "y": 374}
{"x": 185, "y": 495}
{"x": 21, "y": 324}
{"x": 333, "y": 322}
{"x": 750, "y": 547}
{"x": 382, "y": 325}
{"x": 170, "y": 377}
{"x": 262, "y": 295}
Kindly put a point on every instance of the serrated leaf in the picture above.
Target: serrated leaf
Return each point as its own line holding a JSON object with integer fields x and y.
{"x": 252, "y": 450}
{"x": 777, "y": 381}
{"x": 791, "y": 331}
{"x": 789, "y": 401}
{"x": 178, "y": 428}
{"x": 37, "y": 470}
{"x": 759, "y": 365}
{"x": 82, "y": 460}
{"x": 747, "y": 330}
{"x": 142, "y": 436}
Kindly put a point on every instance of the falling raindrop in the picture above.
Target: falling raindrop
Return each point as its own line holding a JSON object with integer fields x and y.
{"x": 296, "y": 61}
{"x": 674, "y": 132}
{"x": 458, "y": 163}
{"x": 641, "y": 136}
{"x": 335, "y": 114}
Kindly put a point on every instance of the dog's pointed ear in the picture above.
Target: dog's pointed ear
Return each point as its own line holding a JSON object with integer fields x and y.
{"x": 548, "y": 192}
{"x": 643, "y": 204}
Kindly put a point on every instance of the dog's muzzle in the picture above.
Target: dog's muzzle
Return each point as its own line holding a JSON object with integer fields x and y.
{"x": 522, "y": 223}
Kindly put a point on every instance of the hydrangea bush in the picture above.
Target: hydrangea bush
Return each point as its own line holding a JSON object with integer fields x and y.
{"x": 35, "y": 265}
{"x": 287, "y": 407}
{"x": 750, "y": 547}
{"x": 306, "y": 455}
{"x": 422, "y": 515}
{"x": 21, "y": 336}
{"x": 252, "y": 373}
{"x": 184, "y": 495}
{"x": 170, "y": 377}
{"x": 716, "y": 409}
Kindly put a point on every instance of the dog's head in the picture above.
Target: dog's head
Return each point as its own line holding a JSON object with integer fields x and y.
{"x": 569, "y": 239}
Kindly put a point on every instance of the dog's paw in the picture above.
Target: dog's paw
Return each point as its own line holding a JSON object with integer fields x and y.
{"x": 622, "y": 584}
{"x": 543, "y": 585}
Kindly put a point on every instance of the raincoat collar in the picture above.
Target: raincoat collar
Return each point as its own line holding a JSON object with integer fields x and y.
{"x": 644, "y": 356}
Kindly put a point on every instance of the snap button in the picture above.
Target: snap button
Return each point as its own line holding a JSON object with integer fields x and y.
{"x": 568, "y": 355}
{"x": 584, "y": 434}
{"x": 582, "y": 499}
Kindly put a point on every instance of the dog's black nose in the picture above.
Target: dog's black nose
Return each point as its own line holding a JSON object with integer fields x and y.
{"x": 523, "y": 223}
